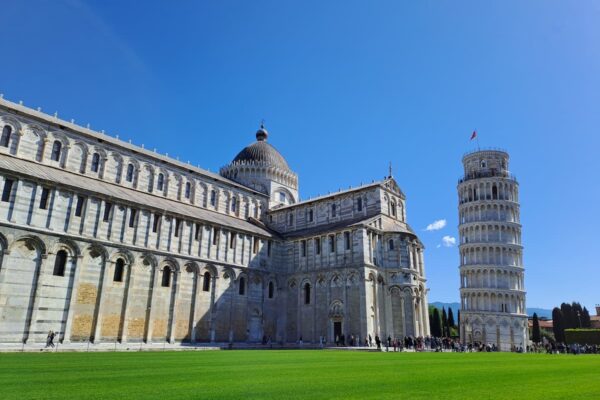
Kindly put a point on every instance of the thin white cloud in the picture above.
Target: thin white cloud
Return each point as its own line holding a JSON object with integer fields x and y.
{"x": 436, "y": 225}
{"x": 448, "y": 241}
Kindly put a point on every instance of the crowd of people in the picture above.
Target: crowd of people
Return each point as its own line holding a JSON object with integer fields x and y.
{"x": 427, "y": 343}
{"x": 562, "y": 348}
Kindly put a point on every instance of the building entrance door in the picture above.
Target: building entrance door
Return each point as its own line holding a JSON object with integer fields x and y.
{"x": 337, "y": 330}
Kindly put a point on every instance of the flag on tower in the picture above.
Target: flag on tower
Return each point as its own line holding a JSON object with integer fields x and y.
{"x": 473, "y": 135}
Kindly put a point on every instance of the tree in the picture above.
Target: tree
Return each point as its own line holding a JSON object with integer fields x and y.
{"x": 436, "y": 323}
{"x": 557, "y": 325}
{"x": 451, "y": 318}
{"x": 535, "y": 333}
{"x": 568, "y": 317}
{"x": 586, "y": 321}
{"x": 577, "y": 315}
{"x": 445, "y": 330}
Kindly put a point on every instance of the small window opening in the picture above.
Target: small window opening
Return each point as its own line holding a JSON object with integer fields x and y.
{"x": 60, "y": 263}
{"x": 307, "y": 293}
{"x": 5, "y": 140}
{"x": 177, "y": 227}
{"x": 8, "y": 184}
{"x": 166, "y": 277}
{"x": 107, "y": 209}
{"x": 271, "y": 290}
{"x": 132, "y": 218}
{"x": 119, "y": 267}
{"x": 206, "y": 282}
{"x": 242, "y": 288}
{"x": 129, "y": 176}
{"x": 44, "y": 198}
{"x": 155, "y": 224}
{"x": 56, "y": 147}
{"x": 215, "y": 239}
{"x": 95, "y": 162}
{"x": 79, "y": 206}
{"x": 160, "y": 182}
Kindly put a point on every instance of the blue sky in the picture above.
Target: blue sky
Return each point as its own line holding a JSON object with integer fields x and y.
{"x": 346, "y": 87}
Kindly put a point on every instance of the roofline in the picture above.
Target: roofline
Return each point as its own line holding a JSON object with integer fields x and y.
{"x": 89, "y": 133}
{"x": 341, "y": 192}
{"x": 315, "y": 199}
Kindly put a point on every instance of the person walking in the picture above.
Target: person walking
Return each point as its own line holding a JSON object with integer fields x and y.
{"x": 51, "y": 338}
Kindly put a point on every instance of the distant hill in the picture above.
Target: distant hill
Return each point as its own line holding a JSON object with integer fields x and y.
{"x": 541, "y": 312}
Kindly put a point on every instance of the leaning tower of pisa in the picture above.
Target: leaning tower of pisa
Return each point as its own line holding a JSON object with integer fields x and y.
{"x": 492, "y": 290}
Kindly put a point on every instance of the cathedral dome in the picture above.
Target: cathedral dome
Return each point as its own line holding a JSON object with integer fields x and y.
{"x": 262, "y": 153}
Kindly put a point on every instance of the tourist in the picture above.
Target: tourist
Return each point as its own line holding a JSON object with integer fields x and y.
{"x": 50, "y": 339}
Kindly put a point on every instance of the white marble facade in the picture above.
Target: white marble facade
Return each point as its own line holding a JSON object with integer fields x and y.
{"x": 102, "y": 240}
{"x": 492, "y": 287}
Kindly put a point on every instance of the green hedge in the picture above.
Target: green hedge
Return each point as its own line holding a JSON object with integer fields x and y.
{"x": 582, "y": 336}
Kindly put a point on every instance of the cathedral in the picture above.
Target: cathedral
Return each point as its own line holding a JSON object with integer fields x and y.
{"x": 105, "y": 241}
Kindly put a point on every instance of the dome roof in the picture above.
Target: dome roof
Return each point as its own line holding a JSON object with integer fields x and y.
{"x": 261, "y": 152}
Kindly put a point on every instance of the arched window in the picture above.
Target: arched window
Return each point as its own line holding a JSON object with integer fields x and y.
{"x": 393, "y": 209}
{"x": 150, "y": 183}
{"x": 307, "y": 293}
{"x": 483, "y": 164}
{"x": 206, "y": 283}
{"x": 188, "y": 190}
{"x": 494, "y": 192}
{"x": 242, "y": 288}
{"x": 271, "y": 290}
{"x": 213, "y": 198}
{"x": 95, "y": 162}
{"x": 166, "y": 277}
{"x": 391, "y": 244}
{"x": 119, "y": 267}
{"x": 160, "y": 184}
{"x": 5, "y": 140}
{"x": 129, "y": 176}
{"x": 333, "y": 210}
{"x": 233, "y": 204}
{"x": 359, "y": 204}
{"x": 56, "y": 147}
{"x": 60, "y": 262}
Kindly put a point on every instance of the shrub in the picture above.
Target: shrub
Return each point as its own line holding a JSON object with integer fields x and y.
{"x": 582, "y": 336}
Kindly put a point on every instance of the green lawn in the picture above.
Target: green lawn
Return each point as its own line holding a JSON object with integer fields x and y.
{"x": 297, "y": 375}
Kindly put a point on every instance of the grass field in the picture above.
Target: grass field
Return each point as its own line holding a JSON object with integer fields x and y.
{"x": 297, "y": 375}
